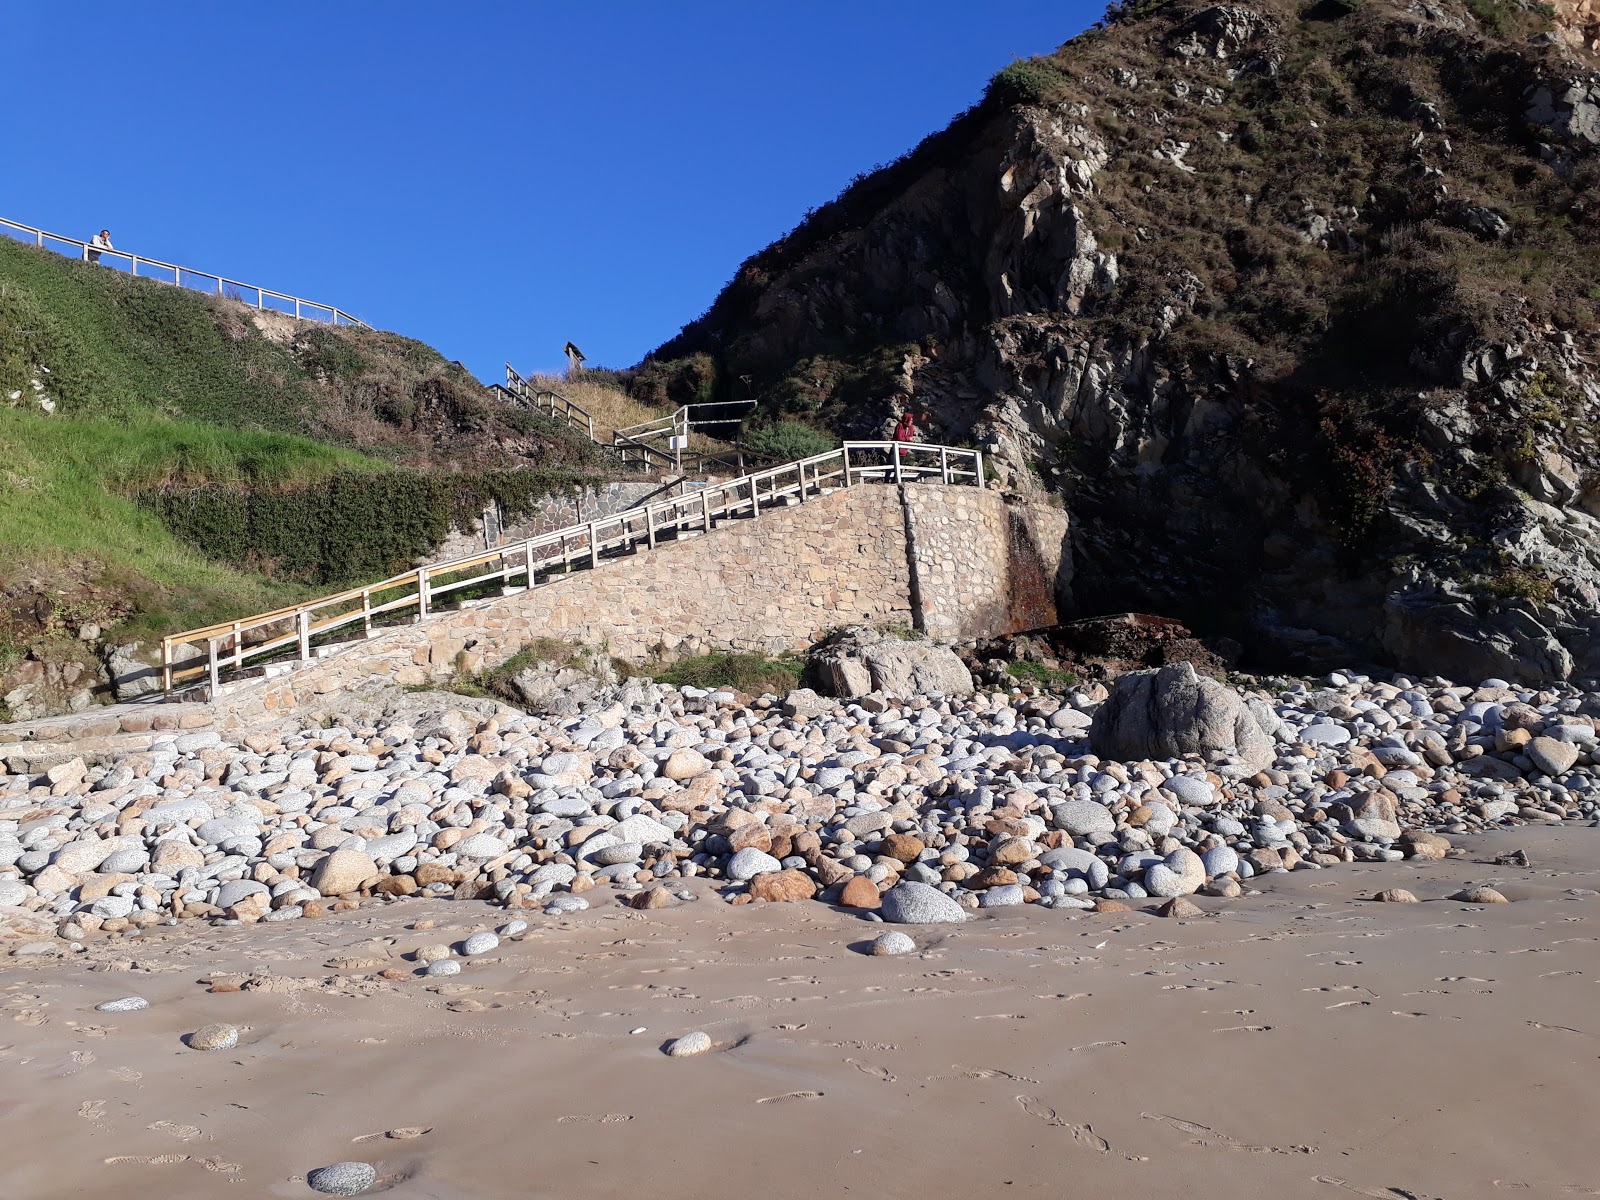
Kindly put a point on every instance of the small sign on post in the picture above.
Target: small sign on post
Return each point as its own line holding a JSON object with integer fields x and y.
{"x": 575, "y": 360}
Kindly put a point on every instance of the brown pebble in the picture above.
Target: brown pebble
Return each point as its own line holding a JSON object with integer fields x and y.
{"x": 860, "y": 892}
{"x": 1181, "y": 906}
{"x": 1396, "y": 896}
{"x": 1110, "y": 906}
{"x": 1480, "y": 895}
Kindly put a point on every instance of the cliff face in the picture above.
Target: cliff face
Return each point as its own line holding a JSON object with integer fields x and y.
{"x": 1296, "y": 306}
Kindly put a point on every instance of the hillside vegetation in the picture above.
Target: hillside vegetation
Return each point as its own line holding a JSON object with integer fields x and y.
{"x": 169, "y": 459}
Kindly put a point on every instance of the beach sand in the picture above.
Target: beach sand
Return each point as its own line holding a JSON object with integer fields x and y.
{"x": 1305, "y": 1042}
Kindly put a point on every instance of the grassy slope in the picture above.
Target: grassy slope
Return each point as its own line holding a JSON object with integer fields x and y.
{"x": 156, "y": 386}
{"x": 65, "y": 511}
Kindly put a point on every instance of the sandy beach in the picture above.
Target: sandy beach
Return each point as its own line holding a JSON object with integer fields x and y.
{"x": 1300, "y": 1042}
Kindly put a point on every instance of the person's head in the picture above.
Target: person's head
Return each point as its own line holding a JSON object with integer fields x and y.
{"x": 106, "y": 233}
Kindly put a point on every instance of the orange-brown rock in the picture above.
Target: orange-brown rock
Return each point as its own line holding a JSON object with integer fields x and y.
{"x": 753, "y": 835}
{"x": 1008, "y": 852}
{"x": 427, "y": 873}
{"x": 781, "y": 886}
{"x": 902, "y": 846}
{"x": 859, "y": 892}
{"x": 656, "y": 897}
{"x": 992, "y": 877}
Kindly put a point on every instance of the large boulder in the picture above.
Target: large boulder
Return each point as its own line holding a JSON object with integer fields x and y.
{"x": 1173, "y": 712}
{"x": 919, "y": 904}
{"x": 858, "y": 659}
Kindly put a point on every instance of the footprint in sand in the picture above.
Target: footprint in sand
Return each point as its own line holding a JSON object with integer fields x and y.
{"x": 1204, "y": 1135}
{"x": 1084, "y": 1135}
{"x": 92, "y": 1110}
{"x": 593, "y": 1118}
{"x": 880, "y": 1073}
{"x": 1245, "y": 1029}
{"x": 1569, "y": 1189}
{"x": 184, "y": 1133}
{"x": 1388, "y": 1193}
{"x": 786, "y": 1097}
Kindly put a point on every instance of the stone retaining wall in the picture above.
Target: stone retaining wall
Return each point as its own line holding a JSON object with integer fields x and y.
{"x": 775, "y": 583}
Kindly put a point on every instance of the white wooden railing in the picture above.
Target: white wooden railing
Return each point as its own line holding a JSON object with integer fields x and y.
{"x": 294, "y": 633}
{"x": 165, "y": 272}
{"x": 551, "y": 404}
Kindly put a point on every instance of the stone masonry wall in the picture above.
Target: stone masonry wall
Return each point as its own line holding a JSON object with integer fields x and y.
{"x": 983, "y": 566}
{"x": 771, "y": 584}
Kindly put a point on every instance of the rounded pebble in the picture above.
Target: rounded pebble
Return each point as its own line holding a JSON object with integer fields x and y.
{"x": 893, "y": 942}
{"x": 479, "y": 943}
{"x": 689, "y": 1044}
{"x": 342, "y": 1179}
{"x": 126, "y": 1004}
{"x": 214, "y": 1037}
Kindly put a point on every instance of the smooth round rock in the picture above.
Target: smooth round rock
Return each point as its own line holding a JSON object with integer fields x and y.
{"x": 445, "y": 966}
{"x": 126, "y": 1004}
{"x": 919, "y": 904}
{"x": 214, "y": 1037}
{"x": 1007, "y": 895}
{"x": 512, "y": 928}
{"x": 342, "y": 1179}
{"x": 480, "y": 943}
{"x": 566, "y": 904}
{"x": 893, "y": 942}
{"x": 750, "y": 862}
{"x": 689, "y": 1044}
{"x": 1396, "y": 896}
{"x": 1480, "y": 895}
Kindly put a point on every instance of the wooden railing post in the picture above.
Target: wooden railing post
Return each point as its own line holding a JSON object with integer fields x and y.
{"x": 650, "y": 525}
{"x": 238, "y": 647}
{"x": 705, "y": 509}
{"x": 594, "y": 545}
{"x": 527, "y": 560}
{"x": 166, "y": 664}
{"x": 977, "y": 458}
{"x": 211, "y": 656}
{"x": 422, "y": 592}
{"x": 366, "y": 612}
{"x": 944, "y": 464}
{"x": 303, "y": 620}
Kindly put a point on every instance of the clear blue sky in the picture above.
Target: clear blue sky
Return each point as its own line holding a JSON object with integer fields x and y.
{"x": 493, "y": 178}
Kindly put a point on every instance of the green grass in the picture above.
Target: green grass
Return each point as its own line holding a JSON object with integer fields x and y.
{"x": 124, "y": 347}
{"x": 749, "y": 673}
{"x": 1032, "y": 672}
{"x": 65, "y": 504}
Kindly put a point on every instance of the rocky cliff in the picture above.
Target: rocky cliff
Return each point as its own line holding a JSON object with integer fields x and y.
{"x": 1295, "y": 305}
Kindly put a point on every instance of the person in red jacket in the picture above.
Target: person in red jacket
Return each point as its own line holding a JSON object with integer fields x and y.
{"x": 905, "y": 430}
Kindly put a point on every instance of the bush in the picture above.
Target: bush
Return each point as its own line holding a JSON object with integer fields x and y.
{"x": 1027, "y": 81}
{"x": 348, "y": 528}
{"x": 789, "y": 440}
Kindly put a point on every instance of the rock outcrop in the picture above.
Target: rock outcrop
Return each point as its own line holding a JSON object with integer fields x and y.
{"x": 858, "y": 659}
{"x": 1264, "y": 319}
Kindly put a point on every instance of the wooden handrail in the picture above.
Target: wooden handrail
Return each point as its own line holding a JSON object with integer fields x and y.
{"x": 85, "y": 250}
{"x": 575, "y": 545}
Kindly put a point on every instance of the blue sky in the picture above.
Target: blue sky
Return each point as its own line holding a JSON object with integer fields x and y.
{"x": 493, "y": 178}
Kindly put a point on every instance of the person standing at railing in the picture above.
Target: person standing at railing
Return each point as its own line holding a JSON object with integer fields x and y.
{"x": 905, "y": 430}
{"x": 102, "y": 240}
